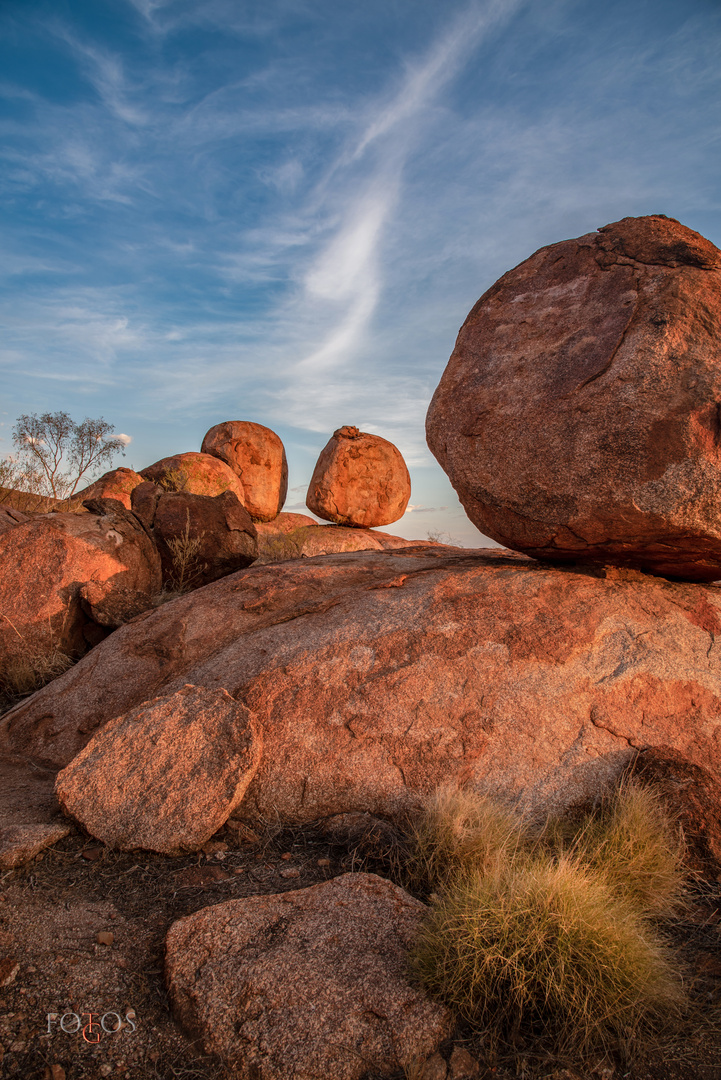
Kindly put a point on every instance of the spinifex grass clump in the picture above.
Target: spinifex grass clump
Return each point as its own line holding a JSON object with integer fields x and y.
{"x": 633, "y": 845}
{"x": 546, "y": 941}
{"x": 460, "y": 832}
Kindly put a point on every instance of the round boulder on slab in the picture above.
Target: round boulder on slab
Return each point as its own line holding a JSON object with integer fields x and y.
{"x": 579, "y": 416}
{"x": 360, "y": 480}
{"x": 166, "y": 775}
{"x": 198, "y": 474}
{"x": 349, "y": 1007}
{"x": 117, "y": 484}
{"x": 257, "y": 455}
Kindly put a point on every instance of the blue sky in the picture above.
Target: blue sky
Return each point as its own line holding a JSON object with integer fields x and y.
{"x": 282, "y": 211}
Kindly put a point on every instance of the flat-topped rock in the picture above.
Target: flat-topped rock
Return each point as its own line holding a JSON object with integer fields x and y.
{"x": 257, "y": 456}
{"x": 359, "y": 480}
{"x": 578, "y": 416}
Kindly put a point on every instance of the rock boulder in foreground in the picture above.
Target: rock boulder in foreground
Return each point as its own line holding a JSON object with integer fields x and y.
{"x": 165, "y": 776}
{"x": 579, "y": 415}
{"x": 306, "y": 984}
{"x": 377, "y": 676}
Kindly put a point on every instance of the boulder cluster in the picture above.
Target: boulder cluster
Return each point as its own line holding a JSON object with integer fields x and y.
{"x": 187, "y": 520}
{"x": 578, "y": 419}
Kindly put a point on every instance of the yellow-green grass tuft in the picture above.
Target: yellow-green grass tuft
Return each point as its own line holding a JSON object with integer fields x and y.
{"x": 540, "y": 949}
{"x": 636, "y": 847}
{"x": 460, "y": 832}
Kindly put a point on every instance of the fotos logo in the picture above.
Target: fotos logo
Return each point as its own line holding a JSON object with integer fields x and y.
{"x": 110, "y": 1023}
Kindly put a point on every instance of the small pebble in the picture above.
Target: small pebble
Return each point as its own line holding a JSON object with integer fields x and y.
{"x": 93, "y": 852}
{"x": 286, "y": 855}
{"x": 290, "y": 873}
{"x": 105, "y": 1070}
{"x": 105, "y": 937}
{"x": 323, "y": 862}
{"x": 239, "y": 870}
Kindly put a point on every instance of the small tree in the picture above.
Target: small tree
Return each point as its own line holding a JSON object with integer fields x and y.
{"x": 55, "y": 454}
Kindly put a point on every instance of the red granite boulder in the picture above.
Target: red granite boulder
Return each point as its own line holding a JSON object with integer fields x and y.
{"x": 46, "y": 563}
{"x": 257, "y": 455}
{"x": 198, "y": 474}
{"x": 306, "y": 984}
{"x": 378, "y": 676}
{"x": 117, "y": 484}
{"x": 200, "y": 538}
{"x": 579, "y": 416}
{"x": 133, "y": 784}
{"x": 359, "y": 480}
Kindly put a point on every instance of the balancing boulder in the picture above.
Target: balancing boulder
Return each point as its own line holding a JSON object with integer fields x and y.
{"x": 198, "y": 474}
{"x": 579, "y": 417}
{"x": 360, "y": 480}
{"x": 257, "y": 456}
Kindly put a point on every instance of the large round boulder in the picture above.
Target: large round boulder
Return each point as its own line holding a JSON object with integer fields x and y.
{"x": 198, "y": 474}
{"x": 50, "y": 561}
{"x": 359, "y": 480}
{"x": 257, "y": 455}
{"x": 579, "y": 416}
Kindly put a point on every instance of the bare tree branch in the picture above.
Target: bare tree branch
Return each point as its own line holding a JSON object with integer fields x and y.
{"x": 58, "y": 453}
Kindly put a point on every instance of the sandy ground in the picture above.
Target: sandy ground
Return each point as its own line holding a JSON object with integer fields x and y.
{"x": 57, "y": 958}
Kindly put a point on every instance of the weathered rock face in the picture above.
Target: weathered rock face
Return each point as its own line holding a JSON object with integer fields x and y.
{"x": 376, "y": 676}
{"x": 200, "y": 537}
{"x": 359, "y": 479}
{"x": 46, "y": 562}
{"x": 578, "y": 415}
{"x": 257, "y": 456}
{"x": 117, "y": 484}
{"x": 349, "y": 1008}
{"x": 197, "y": 474}
{"x": 9, "y": 518}
{"x": 164, "y": 776}
{"x": 302, "y": 537}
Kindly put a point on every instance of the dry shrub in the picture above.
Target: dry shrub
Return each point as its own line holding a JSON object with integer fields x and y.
{"x": 541, "y": 950}
{"x": 632, "y": 843}
{"x": 174, "y": 480}
{"x": 27, "y": 667}
{"x": 185, "y": 556}
{"x": 548, "y": 940}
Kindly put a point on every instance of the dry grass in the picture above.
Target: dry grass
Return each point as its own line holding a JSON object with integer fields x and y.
{"x": 459, "y": 833}
{"x": 632, "y": 843}
{"x": 174, "y": 480}
{"x": 28, "y": 667}
{"x": 542, "y": 950}
{"x": 549, "y": 940}
{"x": 185, "y": 556}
